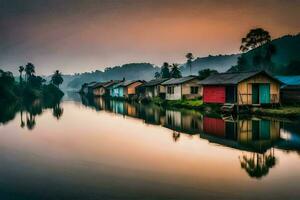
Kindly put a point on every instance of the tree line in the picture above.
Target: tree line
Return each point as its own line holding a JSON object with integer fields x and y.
{"x": 29, "y": 86}
{"x": 257, "y": 43}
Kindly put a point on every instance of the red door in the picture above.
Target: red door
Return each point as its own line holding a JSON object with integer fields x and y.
{"x": 214, "y": 94}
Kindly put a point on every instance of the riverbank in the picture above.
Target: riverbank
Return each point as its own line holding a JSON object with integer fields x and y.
{"x": 285, "y": 111}
{"x": 25, "y": 93}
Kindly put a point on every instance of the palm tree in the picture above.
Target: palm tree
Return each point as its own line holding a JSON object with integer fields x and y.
{"x": 29, "y": 70}
{"x": 56, "y": 78}
{"x": 21, "y": 69}
{"x": 190, "y": 58}
{"x": 175, "y": 72}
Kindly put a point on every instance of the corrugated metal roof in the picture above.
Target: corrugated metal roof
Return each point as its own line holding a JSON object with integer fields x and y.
{"x": 91, "y": 84}
{"x": 105, "y": 84}
{"x": 289, "y": 80}
{"x": 126, "y": 83}
{"x": 231, "y": 78}
{"x": 175, "y": 81}
{"x": 99, "y": 84}
{"x": 154, "y": 82}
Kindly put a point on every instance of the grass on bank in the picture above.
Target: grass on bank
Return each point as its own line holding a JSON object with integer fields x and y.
{"x": 283, "y": 111}
{"x": 178, "y": 103}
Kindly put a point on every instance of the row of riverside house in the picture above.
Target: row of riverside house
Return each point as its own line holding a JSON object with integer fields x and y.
{"x": 244, "y": 88}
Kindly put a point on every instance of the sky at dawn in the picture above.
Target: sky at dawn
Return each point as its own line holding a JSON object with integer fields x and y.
{"x": 77, "y": 36}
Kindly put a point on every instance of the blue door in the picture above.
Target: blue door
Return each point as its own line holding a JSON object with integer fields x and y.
{"x": 264, "y": 93}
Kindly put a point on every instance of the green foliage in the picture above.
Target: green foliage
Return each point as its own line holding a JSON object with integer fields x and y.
{"x": 157, "y": 75}
{"x": 190, "y": 104}
{"x": 30, "y": 90}
{"x": 35, "y": 81}
{"x": 50, "y": 93}
{"x": 29, "y": 70}
{"x": 283, "y": 111}
{"x": 255, "y": 38}
{"x": 175, "y": 72}
{"x": 190, "y": 58}
{"x": 280, "y": 56}
{"x": 203, "y": 74}
{"x": 57, "y": 79}
{"x": 7, "y": 86}
{"x": 21, "y": 69}
{"x": 165, "y": 72}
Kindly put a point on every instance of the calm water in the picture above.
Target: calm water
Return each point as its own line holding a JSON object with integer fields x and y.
{"x": 95, "y": 149}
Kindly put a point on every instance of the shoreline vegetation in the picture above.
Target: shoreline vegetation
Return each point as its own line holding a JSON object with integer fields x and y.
{"x": 29, "y": 87}
{"x": 283, "y": 111}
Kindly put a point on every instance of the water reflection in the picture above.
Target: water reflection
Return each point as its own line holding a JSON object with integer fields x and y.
{"x": 255, "y": 137}
{"x": 28, "y": 111}
{"x": 258, "y": 165}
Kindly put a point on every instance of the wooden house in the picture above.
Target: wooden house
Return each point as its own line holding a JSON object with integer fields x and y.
{"x": 290, "y": 90}
{"x": 125, "y": 89}
{"x": 102, "y": 88}
{"x": 153, "y": 88}
{"x": 183, "y": 88}
{"x": 86, "y": 88}
{"x": 245, "y": 88}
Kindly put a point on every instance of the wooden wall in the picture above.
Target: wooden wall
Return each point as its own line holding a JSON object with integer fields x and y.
{"x": 244, "y": 90}
{"x": 130, "y": 90}
{"x": 186, "y": 89}
{"x": 177, "y": 92}
{"x": 290, "y": 94}
{"x": 213, "y": 94}
{"x": 100, "y": 91}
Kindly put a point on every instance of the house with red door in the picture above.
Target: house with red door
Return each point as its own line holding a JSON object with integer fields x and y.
{"x": 243, "y": 88}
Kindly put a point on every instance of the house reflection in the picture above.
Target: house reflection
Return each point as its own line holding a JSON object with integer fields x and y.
{"x": 256, "y": 138}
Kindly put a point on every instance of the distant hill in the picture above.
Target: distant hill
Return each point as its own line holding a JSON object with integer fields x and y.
{"x": 146, "y": 71}
{"x": 142, "y": 71}
{"x": 220, "y": 63}
{"x": 287, "y": 53}
{"x": 288, "y": 48}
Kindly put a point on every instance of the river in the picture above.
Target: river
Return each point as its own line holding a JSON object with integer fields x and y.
{"x": 84, "y": 148}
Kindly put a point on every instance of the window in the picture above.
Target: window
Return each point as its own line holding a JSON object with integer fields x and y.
{"x": 170, "y": 90}
{"x": 194, "y": 90}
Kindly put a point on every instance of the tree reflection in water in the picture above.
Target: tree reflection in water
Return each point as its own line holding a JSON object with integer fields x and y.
{"x": 29, "y": 110}
{"x": 57, "y": 111}
{"x": 257, "y": 165}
